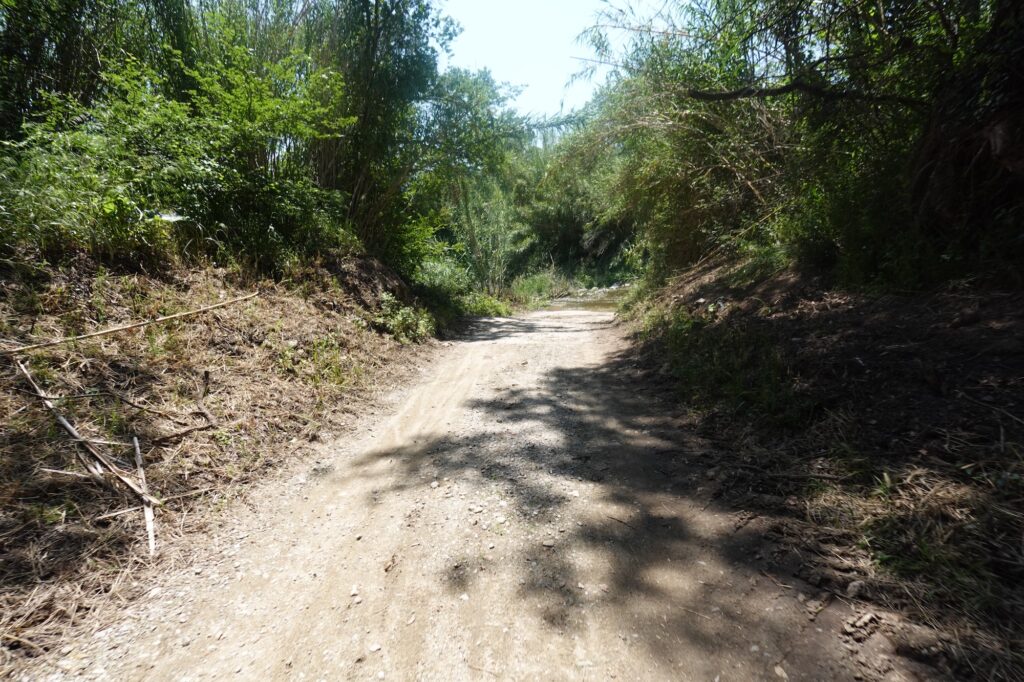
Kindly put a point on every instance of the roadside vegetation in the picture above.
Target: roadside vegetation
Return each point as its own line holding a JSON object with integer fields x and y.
{"x": 262, "y": 138}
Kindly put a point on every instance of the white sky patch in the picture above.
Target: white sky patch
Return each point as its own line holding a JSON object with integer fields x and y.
{"x": 531, "y": 44}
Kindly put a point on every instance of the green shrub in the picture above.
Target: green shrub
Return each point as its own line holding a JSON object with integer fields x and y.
{"x": 443, "y": 274}
{"x": 476, "y": 304}
{"x": 540, "y": 286}
{"x": 140, "y": 179}
{"x": 108, "y": 179}
{"x": 405, "y": 323}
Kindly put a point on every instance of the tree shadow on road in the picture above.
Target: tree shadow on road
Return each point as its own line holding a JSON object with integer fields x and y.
{"x": 675, "y": 575}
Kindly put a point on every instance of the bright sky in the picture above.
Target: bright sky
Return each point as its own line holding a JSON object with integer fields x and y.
{"x": 528, "y": 43}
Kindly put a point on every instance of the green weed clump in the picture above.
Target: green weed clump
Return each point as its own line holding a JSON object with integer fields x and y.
{"x": 476, "y": 304}
{"x": 444, "y": 275}
{"x": 138, "y": 179}
{"x": 540, "y": 286}
{"x": 448, "y": 288}
{"x": 406, "y": 323}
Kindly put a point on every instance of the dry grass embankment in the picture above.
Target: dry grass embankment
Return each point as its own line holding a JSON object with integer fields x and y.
{"x": 280, "y": 371}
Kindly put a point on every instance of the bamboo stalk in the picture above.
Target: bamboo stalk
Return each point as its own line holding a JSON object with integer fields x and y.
{"x": 90, "y": 466}
{"x": 129, "y": 510}
{"x": 126, "y": 327}
{"x": 147, "y": 507}
{"x": 99, "y": 460}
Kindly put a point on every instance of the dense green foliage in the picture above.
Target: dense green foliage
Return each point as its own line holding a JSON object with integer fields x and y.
{"x": 882, "y": 142}
{"x": 258, "y": 133}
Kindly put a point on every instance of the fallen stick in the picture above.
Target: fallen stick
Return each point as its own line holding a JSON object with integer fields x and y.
{"x": 696, "y": 613}
{"x": 129, "y": 510}
{"x": 100, "y": 441}
{"x": 25, "y": 642}
{"x": 211, "y": 421}
{"x": 119, "y": 512}
{"x": 126, "y": 327}
{"x": 151, "y": 410}
{"x": 991, "y": 407}
{"x": 61, "y": 472}
{"x": 100, "y": 461}
{"x": 482, "y": 670}
{"x": 624, "y": 523}
{"x": 94, "y": 469}
{"x": 112, "y": 394}
{"x": 147, "y": 508}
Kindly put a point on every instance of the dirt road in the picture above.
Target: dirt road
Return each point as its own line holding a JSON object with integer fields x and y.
{"x": 528, "y": 511}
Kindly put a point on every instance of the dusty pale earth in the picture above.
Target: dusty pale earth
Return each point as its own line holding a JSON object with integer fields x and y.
{"x": 527, "y": 510}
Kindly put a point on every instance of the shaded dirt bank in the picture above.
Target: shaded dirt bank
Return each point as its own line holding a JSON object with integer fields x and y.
{"x": 880, "y": 433}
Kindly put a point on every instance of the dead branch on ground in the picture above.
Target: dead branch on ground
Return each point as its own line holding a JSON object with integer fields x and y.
{"x": 98, "y": 461}
{"x": 147, "y": 508}
{"x": 126, "y": 327}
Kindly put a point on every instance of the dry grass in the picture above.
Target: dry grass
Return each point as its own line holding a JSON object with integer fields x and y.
{"x": 287, "y": 368}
